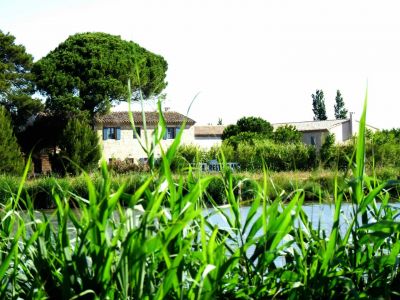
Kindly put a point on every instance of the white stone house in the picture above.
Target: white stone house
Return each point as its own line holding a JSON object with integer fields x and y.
{"x": 208, "y": 136}
{"x": 118, "y": 140}
{"x": 315, "y": 132}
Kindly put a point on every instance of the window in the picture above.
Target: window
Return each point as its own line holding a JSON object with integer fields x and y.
{"x": 111, "y": 133}
{"x": 170, "y": 134}
{"x": 313, "y": 141}
{"x": 137, "y": 129}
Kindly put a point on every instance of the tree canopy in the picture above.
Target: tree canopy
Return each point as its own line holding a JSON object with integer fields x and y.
{"x": 89, "y": 72}
{"x": 340, "y": 110}
{"x": 287, "y": 134}
{"x": 16, "y": 85}
{"x": 248, "y": 125}
{"x": 318, "y": 103}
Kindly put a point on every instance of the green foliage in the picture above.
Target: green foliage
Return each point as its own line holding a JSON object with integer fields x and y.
{"x": 79, "y": 146}
{"x": 11, "y": 160}
{"x": 16, "y": 84}
{"x": 287, "y": 134}
{"x": 165, "y": 244}
{"x": 276, "y": 156}
{"x": 256, "y": 125}
{"x": 229, "y": 131}
{"x": 318, "y": 103}
{"x": 89, "y": 71}
{"x": 340, "y": 110}
{"x": 391, "y": 136}
{"x": 327, "y": 149}
{"x": 248, "y": 125}
{"x": 188, "y": 155}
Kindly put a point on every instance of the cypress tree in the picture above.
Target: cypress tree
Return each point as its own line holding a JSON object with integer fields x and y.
{"x": 318, "y": 104}
{"x": 11, "y": 159}
{"x": 340, "y": 110}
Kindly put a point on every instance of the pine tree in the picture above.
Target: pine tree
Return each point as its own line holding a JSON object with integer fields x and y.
{"x": 11, "y": 159}
{"x": 79, "y": 147}
{"x": 16, "y": 82}
{"x": 319, "y": 106}
{"x": 340, "y": 110}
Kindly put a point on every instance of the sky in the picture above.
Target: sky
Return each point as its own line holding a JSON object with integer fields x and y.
{"x": 262, "y": 58}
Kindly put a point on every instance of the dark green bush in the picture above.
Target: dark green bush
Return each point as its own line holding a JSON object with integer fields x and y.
{"x": 11, "y": 160}
{"x": 79, "y": 146}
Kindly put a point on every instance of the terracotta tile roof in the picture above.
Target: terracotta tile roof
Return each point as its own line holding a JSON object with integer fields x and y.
{"x": 209, "y": 130}
{"x": 313, "y": 125}
{"x": 122, "y": 118}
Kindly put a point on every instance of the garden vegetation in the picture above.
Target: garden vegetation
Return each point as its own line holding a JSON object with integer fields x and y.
{"x": 163, "y": 245}
{"x": 154, "y": 238}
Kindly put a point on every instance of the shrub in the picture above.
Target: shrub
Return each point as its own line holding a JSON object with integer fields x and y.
{"x": 248, "y": 125}
{"x": 287, "y": 134}
{"x": 125, "y": 166}
{"x": 79, "y": 146}
{"x": 187, "y": 155}
{"x": 11, "y": 160}
{"x": 277, "y": 157}
{"x": 326, "y": 152}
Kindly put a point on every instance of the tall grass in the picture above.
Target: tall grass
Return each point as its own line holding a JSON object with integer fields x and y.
{"x": 163, "y": 244}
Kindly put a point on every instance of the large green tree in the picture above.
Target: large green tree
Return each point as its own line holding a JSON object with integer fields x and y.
{"x": 340, "y": 110}
{"x": 248, "y": 125}
{"x": 11, "y": 160}
{"x": 89, "y": 72}
{"x": 287, "y": 134}
{"x": 318, "y": 103}
{"x": 16, "y": 85}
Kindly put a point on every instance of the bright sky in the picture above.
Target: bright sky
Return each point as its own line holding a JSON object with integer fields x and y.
{"x": 242, "y": 58}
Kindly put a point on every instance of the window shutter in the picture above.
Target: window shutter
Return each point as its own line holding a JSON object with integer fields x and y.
{"x": 105, "y": 133}
{"x": 118, "y": 133}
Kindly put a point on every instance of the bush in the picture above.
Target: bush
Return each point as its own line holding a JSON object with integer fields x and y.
{"x": 287, "y": 134}
{"x": 326, "y": 152}
{"x": 188, "y": 155}
{"x": 244, "y": 188}
{"x": 276, "y": 157}
{"x": 79, "y": 146}
{"x": 11, "y": 160}
{"x": 126, "y": 166}
{"x": 248, "y": 125}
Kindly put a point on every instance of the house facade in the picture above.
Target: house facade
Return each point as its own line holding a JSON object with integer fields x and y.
{"x": 315, "y": 132}
{"x": 208, "y": 136}
{"x": 118, "y": 140}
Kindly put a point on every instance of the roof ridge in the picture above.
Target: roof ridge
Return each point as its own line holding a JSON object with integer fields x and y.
{"x": 313, "y": 121}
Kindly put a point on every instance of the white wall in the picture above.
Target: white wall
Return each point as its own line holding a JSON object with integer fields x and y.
{"x": 129, "y": 147}
{"x": 207, "y": 142}
{"x": 318, "y": 136}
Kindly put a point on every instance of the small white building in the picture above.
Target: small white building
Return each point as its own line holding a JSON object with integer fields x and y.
{"x": 118, "y": 140}
{"x": 315, "y": 132}
{"x": 208, "y": 136}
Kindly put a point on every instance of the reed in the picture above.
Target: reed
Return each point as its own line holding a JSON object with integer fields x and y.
{"x": 162, "y": 244}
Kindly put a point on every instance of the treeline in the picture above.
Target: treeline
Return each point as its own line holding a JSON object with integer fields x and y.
{"x": 79, "y": 80}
